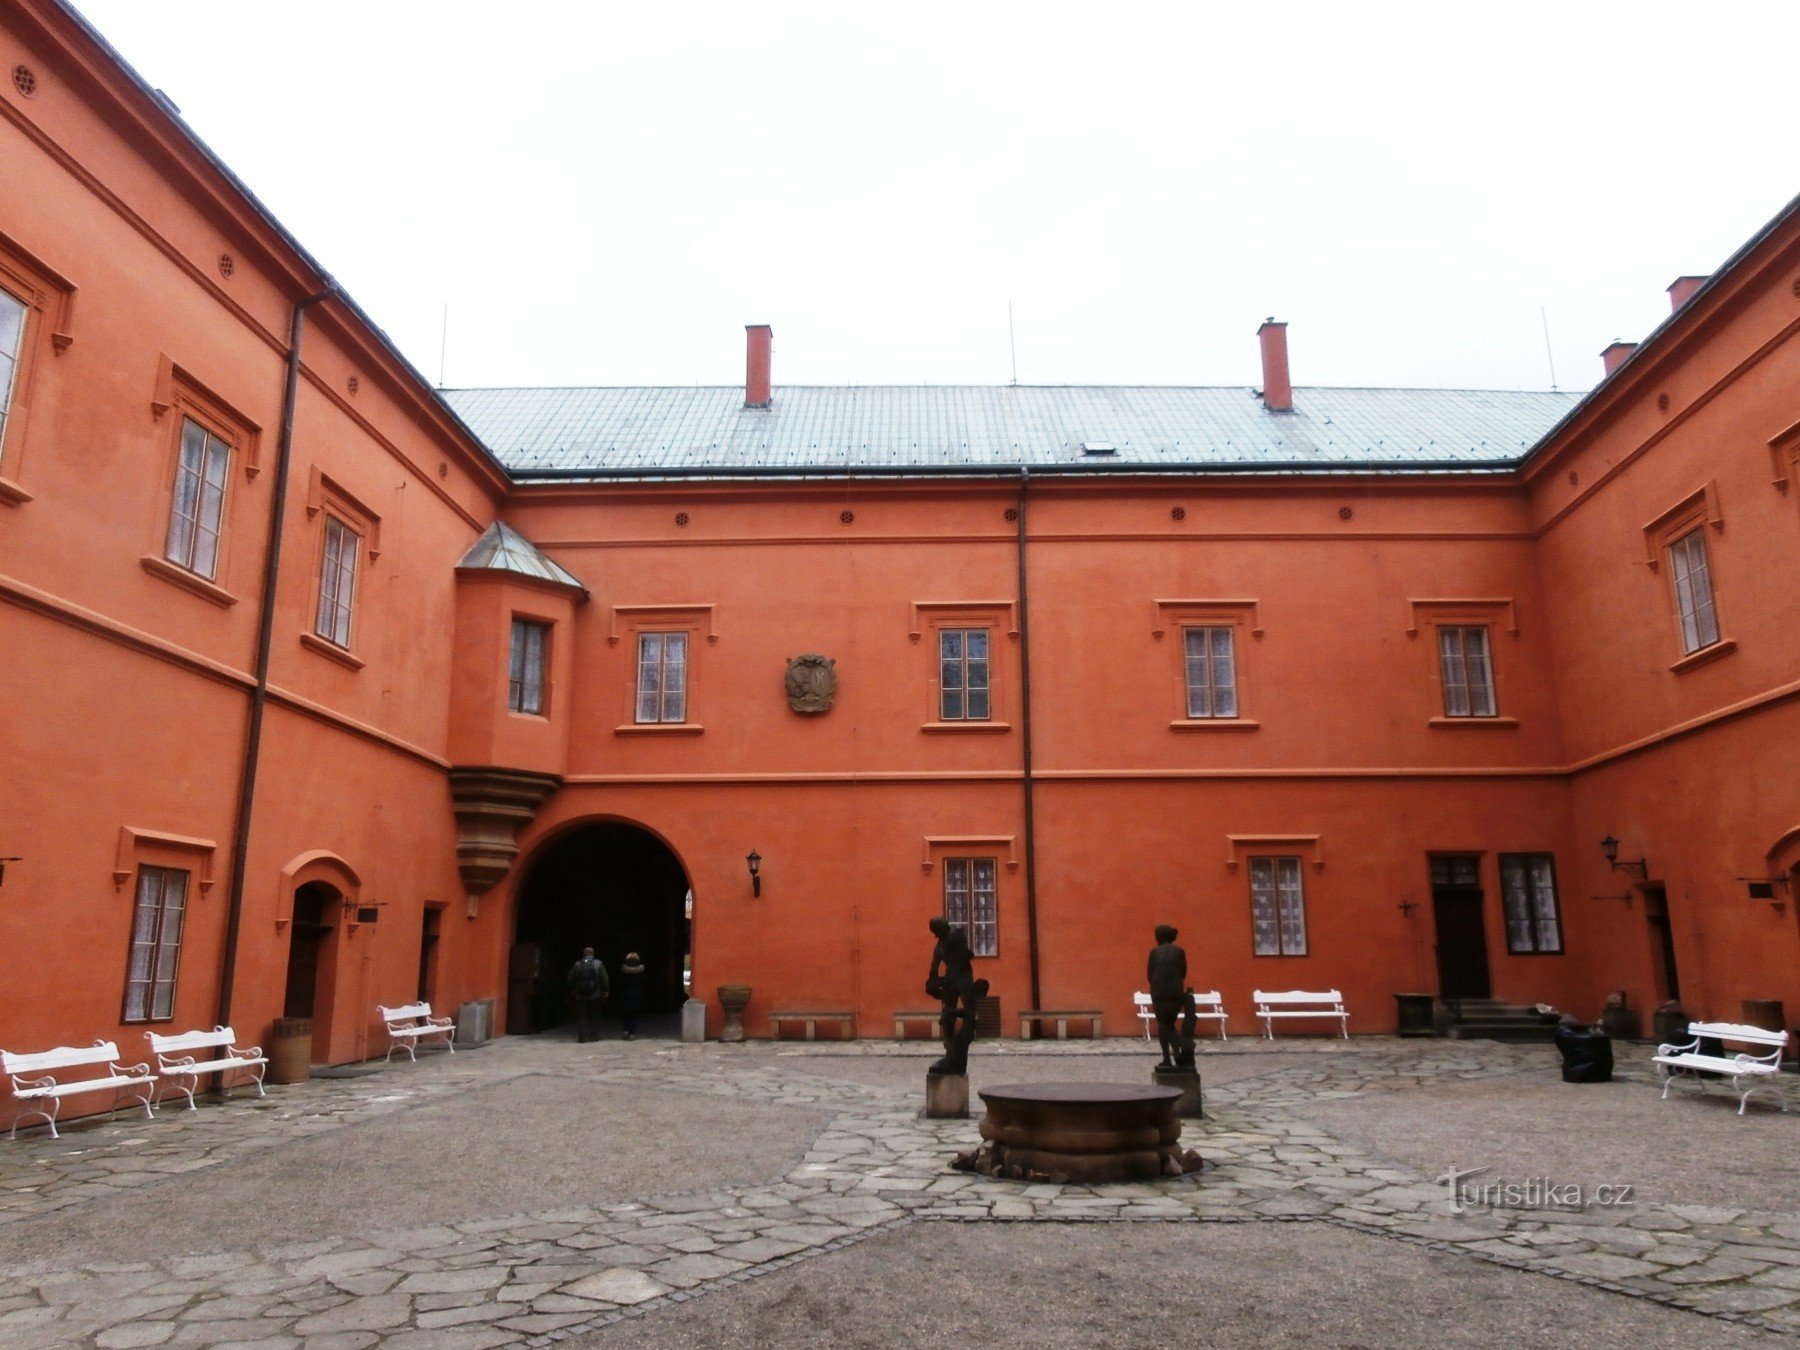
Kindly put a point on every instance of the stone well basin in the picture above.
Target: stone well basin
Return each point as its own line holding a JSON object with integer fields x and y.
{"x": 1081, "y": 1132}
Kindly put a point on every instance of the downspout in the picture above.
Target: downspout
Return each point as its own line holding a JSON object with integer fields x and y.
{"x": 1031, "y": 923}
{"x": 259, "y": 693}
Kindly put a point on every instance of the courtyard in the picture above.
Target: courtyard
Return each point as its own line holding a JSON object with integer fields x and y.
{"x": 535, "y": 1191}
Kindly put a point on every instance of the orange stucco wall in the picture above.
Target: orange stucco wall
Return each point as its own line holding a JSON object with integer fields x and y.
{"x": 124, "y": 695}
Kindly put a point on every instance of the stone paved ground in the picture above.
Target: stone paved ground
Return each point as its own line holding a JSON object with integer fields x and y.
{"x": 536, "y": 1191}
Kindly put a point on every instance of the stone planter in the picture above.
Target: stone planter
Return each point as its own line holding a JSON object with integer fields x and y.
{"x": 733, "y": 998}
{"x": 290, "y": 1050}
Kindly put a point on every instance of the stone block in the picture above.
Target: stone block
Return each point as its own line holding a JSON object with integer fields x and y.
{"x": 947, "y": 1096}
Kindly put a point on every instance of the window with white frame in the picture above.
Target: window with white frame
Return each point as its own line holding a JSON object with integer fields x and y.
{"x": 12, "y": 350}
{"x": 971, "y": 901}
{"x": 156, "y": 923}
{"x": 337, "y": 582}
{"x": 1693, "y": 591}
{"x": 1468, "y": 671}
{"x": 963, "y": 692}
{"x": 662, "y": 677}
{"x": 197, "y": 512}
{"x": 1277, "y": 907}
{"x": 1528, "y": 896}
{"x": 1211, "y": 661}
{"x": 525, "y": 686}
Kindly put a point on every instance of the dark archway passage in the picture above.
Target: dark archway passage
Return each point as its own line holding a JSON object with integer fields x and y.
{"x": 611, "y": 886}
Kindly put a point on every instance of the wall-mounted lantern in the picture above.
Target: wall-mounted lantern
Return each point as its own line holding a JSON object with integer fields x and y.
{"x": 1640, "y": 867}
{"x": 755, "y": 861}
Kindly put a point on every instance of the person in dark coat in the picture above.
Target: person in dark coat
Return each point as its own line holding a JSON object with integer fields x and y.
{"x": 587, "y": 986}
{"x": 631, "y": 992}
{"x": 1168, "y": 990}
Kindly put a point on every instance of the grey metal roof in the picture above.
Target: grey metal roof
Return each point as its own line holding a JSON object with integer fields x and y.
{"x": 690, "y": 429}
{"x": 501, "y": 548}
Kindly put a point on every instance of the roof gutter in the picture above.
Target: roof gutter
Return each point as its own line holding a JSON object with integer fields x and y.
{"x": 1009, "y": 472}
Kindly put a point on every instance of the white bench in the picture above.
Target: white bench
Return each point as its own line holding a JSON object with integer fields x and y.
{"x": 1208, "y": 1007}
{"x": 175, "y": 1058}
{"x": 1300, "y": 1003}
{"x": 409, "y": 1025}
{"x": 1748, "y": 1073}
{"x": 35, "y": 1079}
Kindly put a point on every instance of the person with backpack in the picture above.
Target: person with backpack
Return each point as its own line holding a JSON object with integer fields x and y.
{"x": 587, "y": 986}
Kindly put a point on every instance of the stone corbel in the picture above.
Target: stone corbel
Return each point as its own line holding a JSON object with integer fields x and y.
{"x": 492, "y": 806}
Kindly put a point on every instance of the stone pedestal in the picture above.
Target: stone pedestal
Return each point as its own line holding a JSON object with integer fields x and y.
{"x": 733, "y": 998}
{"x": 947, "y": 1096}
{"x": 1185, "y": 1081}
{"x": 693, "y": 1021}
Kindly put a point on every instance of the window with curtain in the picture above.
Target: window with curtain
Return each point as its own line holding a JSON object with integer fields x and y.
{"x": 156, "y": 923}
{"x": 197, "y": 513}
{"x": 1528, "y": 894}
{"x": 525, "y": 687}
{"x": 1693, "y": 591}
{"x": 1211, "y": 671}
{"x": 662, "y": 677}
{"x": 337, "y": 581}
{"x": 1277, "y": 907}
{"x": 971, "y": 901}
{"x": 1468, "y": 673}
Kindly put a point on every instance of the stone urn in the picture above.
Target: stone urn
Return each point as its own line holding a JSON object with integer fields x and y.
{"x": 733, "y": 998}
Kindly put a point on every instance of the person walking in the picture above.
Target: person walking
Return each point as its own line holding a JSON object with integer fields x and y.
{"x": 587, "y": 986}
{"x": 631, "y": 992}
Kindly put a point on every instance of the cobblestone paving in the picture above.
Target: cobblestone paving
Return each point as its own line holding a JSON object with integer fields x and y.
{"x": 536, "y": 1277}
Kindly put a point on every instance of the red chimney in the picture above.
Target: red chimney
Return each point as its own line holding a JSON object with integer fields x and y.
{"x": 760, "y": 341}
{"x": 1614, "y": 356}
{"x": 1682, "y": 289}
{"x": 1278, "y": 393}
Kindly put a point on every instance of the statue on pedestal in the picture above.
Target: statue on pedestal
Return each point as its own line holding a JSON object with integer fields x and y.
{"x": 953, "y": 984}
{"x": 1168, "y": 991}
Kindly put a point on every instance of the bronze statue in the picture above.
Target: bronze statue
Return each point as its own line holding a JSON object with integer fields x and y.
{"x": 952, "y": 983}
{"x": 1168, "y": 990}
{"x": 1184, "y": 1043}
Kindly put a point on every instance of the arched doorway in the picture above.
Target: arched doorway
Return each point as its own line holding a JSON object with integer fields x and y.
{"x": 609, "y": 885}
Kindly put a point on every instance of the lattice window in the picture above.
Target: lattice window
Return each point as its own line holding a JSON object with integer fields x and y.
{"x": 1468, "y": 672}
{"x": 1277, "y": 907}
{"x": 156, "y": 924}
{"x": 197, "y": 513}
{"x": 1693, "y": 591}
{"x": 662, "y": 677}
{"x": 971, "y": 900}
{"x": 1211, "y": 659}
{"x": 337, "y": 582}
{"x": 963, "y": 691}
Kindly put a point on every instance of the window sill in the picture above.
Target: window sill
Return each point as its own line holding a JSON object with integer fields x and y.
{"x": 966, "y": 728}
{"x": 11, "y": 494}
{"x": 659, "y": 729}
{"x": 1215, "y": 724}
{"x": 330, "y": 650}
{"x": 188, "y": 581}
{"x": 1704, "y": 656}
{"x": 1475, "y": 723}
{"x": 527, "y": 716}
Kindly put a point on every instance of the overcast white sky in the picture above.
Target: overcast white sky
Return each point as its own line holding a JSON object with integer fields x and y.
{"x": 606, "y": 193}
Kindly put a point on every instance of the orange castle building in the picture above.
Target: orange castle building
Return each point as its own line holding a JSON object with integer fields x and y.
{"x": 325, "y": 689}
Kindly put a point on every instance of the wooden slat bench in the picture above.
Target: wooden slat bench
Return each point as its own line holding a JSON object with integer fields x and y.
{"x": 175, "y": 1058}
{"x": 1300, "y": 1003}
{"x": 1748, "y": 1073}
{"x": 902, "y": 1018}
{"x": 409, "y": 1025}
{"x": 1028, "y": 1017}
{"x": 846, "y": 1020}
{"x": 42, "y": 1077}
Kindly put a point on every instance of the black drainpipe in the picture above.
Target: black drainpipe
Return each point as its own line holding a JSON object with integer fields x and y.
{"x": 259, "y": 693}
{"x": 1031, "y": 923}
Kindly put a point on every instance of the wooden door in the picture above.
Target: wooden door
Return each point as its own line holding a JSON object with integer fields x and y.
{"x": 1462, "y": 958}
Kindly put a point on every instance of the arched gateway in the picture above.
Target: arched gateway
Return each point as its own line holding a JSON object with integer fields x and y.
{"x": 609, "y": 885}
